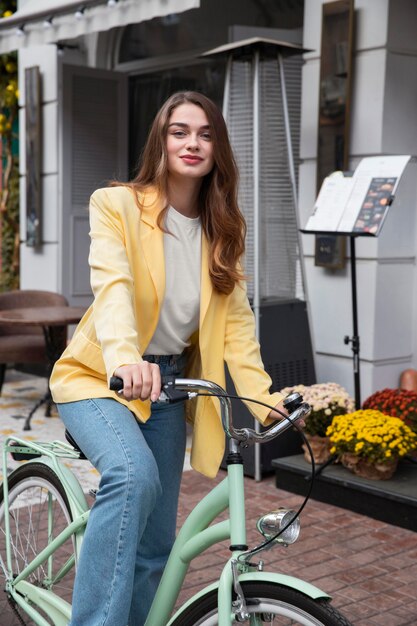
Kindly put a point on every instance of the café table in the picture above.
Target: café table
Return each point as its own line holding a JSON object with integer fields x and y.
{"x": 54, "y": 321}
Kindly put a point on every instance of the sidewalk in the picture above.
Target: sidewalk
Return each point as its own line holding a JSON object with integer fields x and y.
{"x": 369, "y": 567}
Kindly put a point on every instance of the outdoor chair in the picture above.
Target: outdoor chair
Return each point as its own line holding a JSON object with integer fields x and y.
{"x": 25, "y": 344}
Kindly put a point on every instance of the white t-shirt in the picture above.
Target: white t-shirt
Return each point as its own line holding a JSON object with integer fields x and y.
{"x": 180, "y": 310}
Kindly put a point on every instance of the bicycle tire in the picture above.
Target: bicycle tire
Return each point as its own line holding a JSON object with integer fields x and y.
{"x": 267, "y": 602}
{"x": 35, "y": 492}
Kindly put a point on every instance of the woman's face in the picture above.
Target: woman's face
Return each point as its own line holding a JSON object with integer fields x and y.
{"x": 189, "y": 142}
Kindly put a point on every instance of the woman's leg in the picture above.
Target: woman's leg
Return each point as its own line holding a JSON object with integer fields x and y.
{"x": 109, "y": 436}
{"x": 165, "y": 434}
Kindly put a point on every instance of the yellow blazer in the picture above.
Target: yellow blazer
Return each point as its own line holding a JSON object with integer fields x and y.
{"x": 128, "y": 281}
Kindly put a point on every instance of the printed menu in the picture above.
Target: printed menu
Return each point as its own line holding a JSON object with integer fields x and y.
{"x": 357, "y": 204}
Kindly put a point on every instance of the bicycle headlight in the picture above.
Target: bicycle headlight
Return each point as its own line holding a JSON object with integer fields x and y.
{"x": 271, "y": 524}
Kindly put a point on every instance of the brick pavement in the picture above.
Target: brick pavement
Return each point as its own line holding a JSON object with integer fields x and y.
{"x": 369, "y": 567}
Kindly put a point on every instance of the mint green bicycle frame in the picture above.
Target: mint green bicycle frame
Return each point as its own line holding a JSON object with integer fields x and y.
{"x": 196, "y": 535}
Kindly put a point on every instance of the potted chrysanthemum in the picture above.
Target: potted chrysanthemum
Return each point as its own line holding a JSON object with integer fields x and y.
{"x": 370, "y": 443}
{"x": 400, "y": 403}
{"x": 326, "y": 400}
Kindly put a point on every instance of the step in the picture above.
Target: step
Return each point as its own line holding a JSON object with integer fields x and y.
{"x": 393, "y": 501}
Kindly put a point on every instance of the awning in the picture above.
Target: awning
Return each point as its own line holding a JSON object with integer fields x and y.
{"x": 48, "y": 21}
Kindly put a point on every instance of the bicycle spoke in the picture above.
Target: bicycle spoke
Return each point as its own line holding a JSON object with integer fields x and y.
{"x": 38, "y": 512}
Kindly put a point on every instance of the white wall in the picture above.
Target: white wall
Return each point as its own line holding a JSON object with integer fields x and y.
{"x": 383, "y": 113}
{"x": 400, "y": 125}
{"x": 34, "y": 262}
{"x": 41, "y": 268}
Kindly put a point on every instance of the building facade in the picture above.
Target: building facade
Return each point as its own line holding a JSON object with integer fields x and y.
{"x": 384, "y": 98}
{"x": 102, "y": 88}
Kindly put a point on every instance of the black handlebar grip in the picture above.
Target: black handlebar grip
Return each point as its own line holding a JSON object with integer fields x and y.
{"x": 167, "y": 387}
{"x": 292, "y": 402}
{"x": 115, "y": 384}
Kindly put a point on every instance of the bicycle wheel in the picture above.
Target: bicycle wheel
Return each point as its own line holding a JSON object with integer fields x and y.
{"x": 267, "y": 603}
{"x": 39, "y": 511}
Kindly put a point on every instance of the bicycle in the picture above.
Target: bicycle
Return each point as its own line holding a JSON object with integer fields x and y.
{"x": 44, "y": 512}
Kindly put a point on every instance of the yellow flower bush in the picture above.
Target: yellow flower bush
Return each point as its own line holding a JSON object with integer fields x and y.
{"x": 371, "y": 435}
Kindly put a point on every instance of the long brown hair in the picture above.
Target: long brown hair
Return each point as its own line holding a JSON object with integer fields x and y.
{"x": 222, "y": 221}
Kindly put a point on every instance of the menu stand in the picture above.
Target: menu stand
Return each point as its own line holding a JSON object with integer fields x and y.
{"x": 356, "y": 206}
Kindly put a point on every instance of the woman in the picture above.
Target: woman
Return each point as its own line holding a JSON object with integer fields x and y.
{"x": 168, "y": 298}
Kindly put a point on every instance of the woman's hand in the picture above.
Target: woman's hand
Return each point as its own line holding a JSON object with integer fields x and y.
{"x": 140, "y": 381}
{"x": 275, "y": 415}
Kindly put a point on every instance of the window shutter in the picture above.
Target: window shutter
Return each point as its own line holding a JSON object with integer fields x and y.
{"x": 93, "y": 151}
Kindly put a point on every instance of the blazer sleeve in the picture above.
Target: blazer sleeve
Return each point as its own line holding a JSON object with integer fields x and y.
{"x": 243, "y": 357}
{"x": 112, "y": 284}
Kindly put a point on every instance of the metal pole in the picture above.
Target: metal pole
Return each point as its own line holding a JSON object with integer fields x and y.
{"x": 354, "y": 340}
{"x": 291, "y": 167}
{"x": 227, "y": 81}
{"x": 256, "y": 228}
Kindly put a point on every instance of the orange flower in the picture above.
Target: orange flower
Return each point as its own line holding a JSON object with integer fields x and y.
{"x": 397, "y": 403}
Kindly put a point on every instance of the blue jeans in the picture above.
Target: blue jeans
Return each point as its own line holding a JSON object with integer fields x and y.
{"x": 132, "y": 524}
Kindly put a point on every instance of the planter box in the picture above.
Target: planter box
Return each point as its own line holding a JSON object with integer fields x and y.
{"x": 393, "y": 501}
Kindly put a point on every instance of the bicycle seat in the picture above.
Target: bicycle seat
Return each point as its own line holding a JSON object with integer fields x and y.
{"x": 74, "y": 444}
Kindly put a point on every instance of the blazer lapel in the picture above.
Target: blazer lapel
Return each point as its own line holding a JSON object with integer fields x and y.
{"x": 206, "y": 284}
{"x": 152, "y": 239}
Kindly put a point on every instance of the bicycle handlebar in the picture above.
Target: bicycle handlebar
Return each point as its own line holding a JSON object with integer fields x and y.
{"x": 179, "y": 389}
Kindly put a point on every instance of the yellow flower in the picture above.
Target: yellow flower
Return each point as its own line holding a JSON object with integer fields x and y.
{"x": 7, "y": 13}
{"x": 371, "y": 435}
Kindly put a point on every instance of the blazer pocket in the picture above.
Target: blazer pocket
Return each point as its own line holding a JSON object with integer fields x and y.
{"x": 87, "y": 353}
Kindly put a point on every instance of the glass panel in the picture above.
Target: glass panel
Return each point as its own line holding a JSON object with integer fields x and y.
{"x": 335, "y": 81}
{"x": 206, "y": 27}
{"x": 334, "y": 112}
